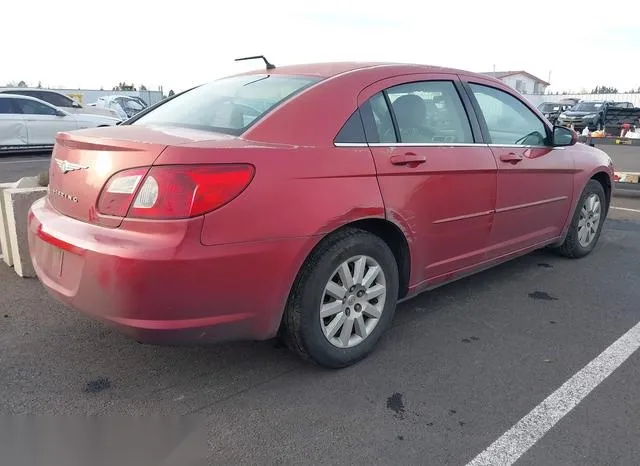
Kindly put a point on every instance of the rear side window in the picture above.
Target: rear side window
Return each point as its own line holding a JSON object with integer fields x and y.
{"x": 424, "y": 112}
{"x": 6, "y": 107}
{"x": 429, "y": 112}
{"x": 352, "y": 132}
{"x": 55, "y": 99}
{"x": 381, "y": 129}
{"x": 228, "y": 105}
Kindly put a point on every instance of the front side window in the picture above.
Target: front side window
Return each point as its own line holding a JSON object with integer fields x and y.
{"x": 229, "y": 105}
{"x": 429, "y": 112}
{"x": 32, "y": 107}
{"x": 509, "y": 121}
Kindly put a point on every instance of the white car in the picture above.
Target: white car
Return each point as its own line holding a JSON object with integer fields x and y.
{"x": 27, "y": 122}
{"x": 58, "y": 99}
{"x": 125, "y": 106}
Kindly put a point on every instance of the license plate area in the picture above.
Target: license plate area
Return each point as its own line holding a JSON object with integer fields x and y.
{"x": 51, "y": 258}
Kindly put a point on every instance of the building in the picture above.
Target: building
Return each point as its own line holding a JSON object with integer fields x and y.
{"x": 523, "y": 82}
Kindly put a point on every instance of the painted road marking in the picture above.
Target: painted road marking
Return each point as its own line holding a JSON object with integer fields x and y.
{"x": 531, "y": 428}
{"x": 626, "y": 209}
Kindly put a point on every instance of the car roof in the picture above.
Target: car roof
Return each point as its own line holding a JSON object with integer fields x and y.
{"x": 18, "y": 96}
{"x": 27, "y": 97}
{"x": 332, "y": 69}
{"x": 5, "y": 89}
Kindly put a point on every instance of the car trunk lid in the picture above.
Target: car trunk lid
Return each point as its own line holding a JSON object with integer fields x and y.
{"x": 83, "y": 161}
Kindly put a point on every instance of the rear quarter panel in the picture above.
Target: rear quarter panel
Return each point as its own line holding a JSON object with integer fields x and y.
{"x": 296, "y": 191}
{"x": 297, "y": 196}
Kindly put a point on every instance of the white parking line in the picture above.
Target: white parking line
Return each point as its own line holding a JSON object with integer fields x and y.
{"x": 626, "y": 209}
{"x": 531, "y": 428}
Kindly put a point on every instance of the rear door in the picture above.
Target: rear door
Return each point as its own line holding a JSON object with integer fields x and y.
{"x": 43, "y": 122}
{"x": 438, "y": 180}
{"x": 13, "y": 127}
{"x": 535, "y": 180}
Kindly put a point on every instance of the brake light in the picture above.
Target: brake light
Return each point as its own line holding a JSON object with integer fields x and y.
{"x": 173, "y": 191}
{"x": 118, "y": 193}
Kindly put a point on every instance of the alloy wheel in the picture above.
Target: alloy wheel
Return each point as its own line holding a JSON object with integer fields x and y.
{"x": 590, "y": 215}
{"x": 353, "y": 301}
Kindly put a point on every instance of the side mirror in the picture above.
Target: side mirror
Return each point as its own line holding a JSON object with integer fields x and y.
{"x": 76, "y": 104}
{"x": 60, "y": 113}
{"x": 564, "y": 136}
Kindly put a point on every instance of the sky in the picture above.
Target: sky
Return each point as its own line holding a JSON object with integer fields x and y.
{"x": 178, "y": 44}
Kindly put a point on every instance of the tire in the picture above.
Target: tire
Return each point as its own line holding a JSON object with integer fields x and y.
{"x": 305, "y": 332}
{"x": 574, "y": 245}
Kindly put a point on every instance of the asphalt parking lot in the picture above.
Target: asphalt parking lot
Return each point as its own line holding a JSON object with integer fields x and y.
{"x": 461, "y": 366}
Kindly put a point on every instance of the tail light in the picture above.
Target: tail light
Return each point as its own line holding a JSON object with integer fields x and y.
{"x": 173, "y": 191}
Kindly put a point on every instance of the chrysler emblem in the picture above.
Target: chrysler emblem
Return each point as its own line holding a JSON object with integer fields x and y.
{"x": 66, "y": 167}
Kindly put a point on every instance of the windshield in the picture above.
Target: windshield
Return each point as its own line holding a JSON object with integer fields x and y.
{"x": 229, "y": 105}
{"x": 550, "y": 107}
{"x": 587, "y": 107}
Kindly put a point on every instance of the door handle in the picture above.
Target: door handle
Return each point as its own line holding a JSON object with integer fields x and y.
{"x": 408, "y": 159}
{"x": 511, "y": 158}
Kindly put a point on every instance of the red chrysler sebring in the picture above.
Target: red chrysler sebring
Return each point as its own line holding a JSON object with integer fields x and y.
{"x": 305, "y": 201}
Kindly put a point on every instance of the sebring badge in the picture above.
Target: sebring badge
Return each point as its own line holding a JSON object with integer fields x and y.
{"x": 66, "y": 167}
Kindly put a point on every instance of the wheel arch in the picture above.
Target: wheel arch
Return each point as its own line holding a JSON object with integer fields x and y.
{"x": 388, "y": 231}
{"x": 604, "y": 179}
{"x": 391, "y": 234}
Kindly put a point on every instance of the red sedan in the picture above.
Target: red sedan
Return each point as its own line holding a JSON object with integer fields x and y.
{"x": 306, "y": 201}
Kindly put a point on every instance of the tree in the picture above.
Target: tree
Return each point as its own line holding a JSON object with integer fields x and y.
{"x": 171, "y": 92}
{"x": 143, "y": 87}
{"x": 39, "y": 84}
{"x": 22, "y": 84}
{"x": 123, "y": 86}
{"x": 604, "y": 90}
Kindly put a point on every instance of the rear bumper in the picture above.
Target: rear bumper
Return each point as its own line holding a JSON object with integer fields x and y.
{"x": 157, "y": 283}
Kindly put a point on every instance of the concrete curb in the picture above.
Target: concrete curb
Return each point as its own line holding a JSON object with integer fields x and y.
{"x": 5, "y": 244}
{"x": 17, "y": 202}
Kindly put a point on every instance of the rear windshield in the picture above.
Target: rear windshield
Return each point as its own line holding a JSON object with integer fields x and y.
{"x": 229, "y": 105}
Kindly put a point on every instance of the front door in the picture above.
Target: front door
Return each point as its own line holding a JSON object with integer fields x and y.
{"x": 437, "y": 183}
{"x": 535, "y": 180}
